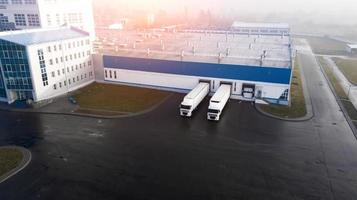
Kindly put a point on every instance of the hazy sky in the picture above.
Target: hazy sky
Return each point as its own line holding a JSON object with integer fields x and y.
{"x": 334, "y": 6}
{"x": 319, "y": 11}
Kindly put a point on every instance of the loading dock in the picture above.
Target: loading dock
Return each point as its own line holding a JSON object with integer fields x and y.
{"x": 248, "y": 91}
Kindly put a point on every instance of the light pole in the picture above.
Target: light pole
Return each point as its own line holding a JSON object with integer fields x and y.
{"x": 349, "y": 90}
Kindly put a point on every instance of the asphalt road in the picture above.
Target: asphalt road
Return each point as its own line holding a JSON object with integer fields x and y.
{"x": 160, "y": 155}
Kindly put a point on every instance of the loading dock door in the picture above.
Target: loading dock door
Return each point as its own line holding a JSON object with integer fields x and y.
{"x": 248, "y": 91}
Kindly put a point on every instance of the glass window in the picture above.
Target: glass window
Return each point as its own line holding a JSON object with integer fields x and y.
{"x": 20, "y": 20}
{"x": 33, "y": 20}
{"x": 16, "y": 1}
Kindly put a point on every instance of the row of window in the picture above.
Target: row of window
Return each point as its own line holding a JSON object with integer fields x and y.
{"x": 16, "y": 55}
{"x": 67, "y": 58}
{"x": 18, "y": 2}
{"x": 73, "y": 80}
{"x": 69, "y": 45}
{"x": 70, "y": 18}
{"x": 32, "y": 20}
{"x": 77, "y": 67}
{"x": 111, "y": 74}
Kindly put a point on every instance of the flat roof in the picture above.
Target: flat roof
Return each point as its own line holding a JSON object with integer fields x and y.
{"x": 352, "y": 46}
{"x": 39, "y": 36}
{"x": 261, "y": 25}
{"x": 201, "y": 47}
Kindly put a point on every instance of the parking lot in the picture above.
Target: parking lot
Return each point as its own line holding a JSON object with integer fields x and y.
{"x": 160, "y": 155}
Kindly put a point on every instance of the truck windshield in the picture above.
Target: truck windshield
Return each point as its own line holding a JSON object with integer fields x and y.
{"x": 185, "y": 107}
{"x": 213, "y": 111}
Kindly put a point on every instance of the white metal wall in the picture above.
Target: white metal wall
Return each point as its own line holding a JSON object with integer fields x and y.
{"x": 187, "y": 83}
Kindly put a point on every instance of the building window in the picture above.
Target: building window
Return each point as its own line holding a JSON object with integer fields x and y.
{"x": 4, "y": 2}
{"x": 43, "y": 67}
{"x": 19, "y": 54}
{"x": 22, "y": 68}
{"x": 20, "y": 20}
{"x": 16, "y": 1}
{"x": 55, "y": 86}
{"x": 6, "y": 54}
{"x": 115, "y": 74}
{"x": 51, "y": 62}
{"x": 30, "y": 1}
{"x": 58, "y": 20}
{"x": 60, "y": 47}
{"x": 33, "y": 20}
{"x": 60, "y": 84}
{"x": 285, "y": 95}
{"x": 63, "y": 71}
{"x": 53, "y": 74}
{"x": 110, "y": 74}
{"x": 54, "y": 48}
{"x": 106, "y": 73}
{"x": 49, "y": 20}
{"x": 49, "y": 49}
{"x": 59, "y": 72}
{"x": 56, "y": 60}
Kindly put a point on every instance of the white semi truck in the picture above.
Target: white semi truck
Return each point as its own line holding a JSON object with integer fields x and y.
{"x": 218, "y": 102}
{"x": 193, "y": 99}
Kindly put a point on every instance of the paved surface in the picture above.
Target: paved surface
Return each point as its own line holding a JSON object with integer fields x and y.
{"x": 160, "y": 155}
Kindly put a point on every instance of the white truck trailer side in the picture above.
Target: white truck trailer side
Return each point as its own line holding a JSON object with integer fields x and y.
{"x": 218, "y": 102}
{"x": 193, "y": 99}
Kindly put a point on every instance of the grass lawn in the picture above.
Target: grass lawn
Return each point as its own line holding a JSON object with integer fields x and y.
{"x": 340, "y": 92}
{"x": 348, "y": 68}
{"x": 325, "y": 45}
{"x": 298, "y": 107}
{"x": 107, "y": 99}
{"x": 9, "y": 159}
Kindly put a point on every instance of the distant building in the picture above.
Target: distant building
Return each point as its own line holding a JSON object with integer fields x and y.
{"x": 34, "y": 14}
{"x": 44, "y": 63}
{"x": 261, "y": 28}
{"x": 352, "y": 48}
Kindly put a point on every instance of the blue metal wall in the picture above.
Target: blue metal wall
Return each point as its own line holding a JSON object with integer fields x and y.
{"x": 210, "y": 70}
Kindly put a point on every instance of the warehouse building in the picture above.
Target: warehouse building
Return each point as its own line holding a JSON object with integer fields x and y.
{"x": 258, "y": 67}
{"x": 34, "y": 14}
{"x": 44, "y": 63}
{"x": 261, "y": 28}
{"x": 352, "y": 48}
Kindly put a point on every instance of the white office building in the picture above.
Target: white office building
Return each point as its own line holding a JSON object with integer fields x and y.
{"x": 34, "y": 14}
{"x": 42, "y": 64}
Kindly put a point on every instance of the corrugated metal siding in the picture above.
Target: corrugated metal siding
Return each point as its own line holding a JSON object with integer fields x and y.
{"x": 234, "y": 72}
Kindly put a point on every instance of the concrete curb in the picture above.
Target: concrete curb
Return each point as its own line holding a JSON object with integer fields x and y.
{"x": 27, "y": 156}
{"x": 308, "y": 103}
{"x": 88, "y": 115}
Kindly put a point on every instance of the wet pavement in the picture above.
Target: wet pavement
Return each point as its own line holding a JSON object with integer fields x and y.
{"x": 160, "y": 155}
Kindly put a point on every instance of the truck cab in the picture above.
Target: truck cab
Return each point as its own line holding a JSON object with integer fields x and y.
{"x": 185, "y": 110}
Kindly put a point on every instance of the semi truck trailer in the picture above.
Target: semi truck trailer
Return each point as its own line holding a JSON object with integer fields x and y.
{"x": 193, "y": 99}
{"x": 218, "y": 102}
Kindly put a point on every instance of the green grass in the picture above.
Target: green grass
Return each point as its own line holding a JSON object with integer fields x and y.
{"x": 106, "y": 98}
{"x": 325, "y": 45}
{"x": 336, "y": 85}
{"x": 298, "y": 107}
{"x": 348, "y": 67}
{"x": 9, "y": 159}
